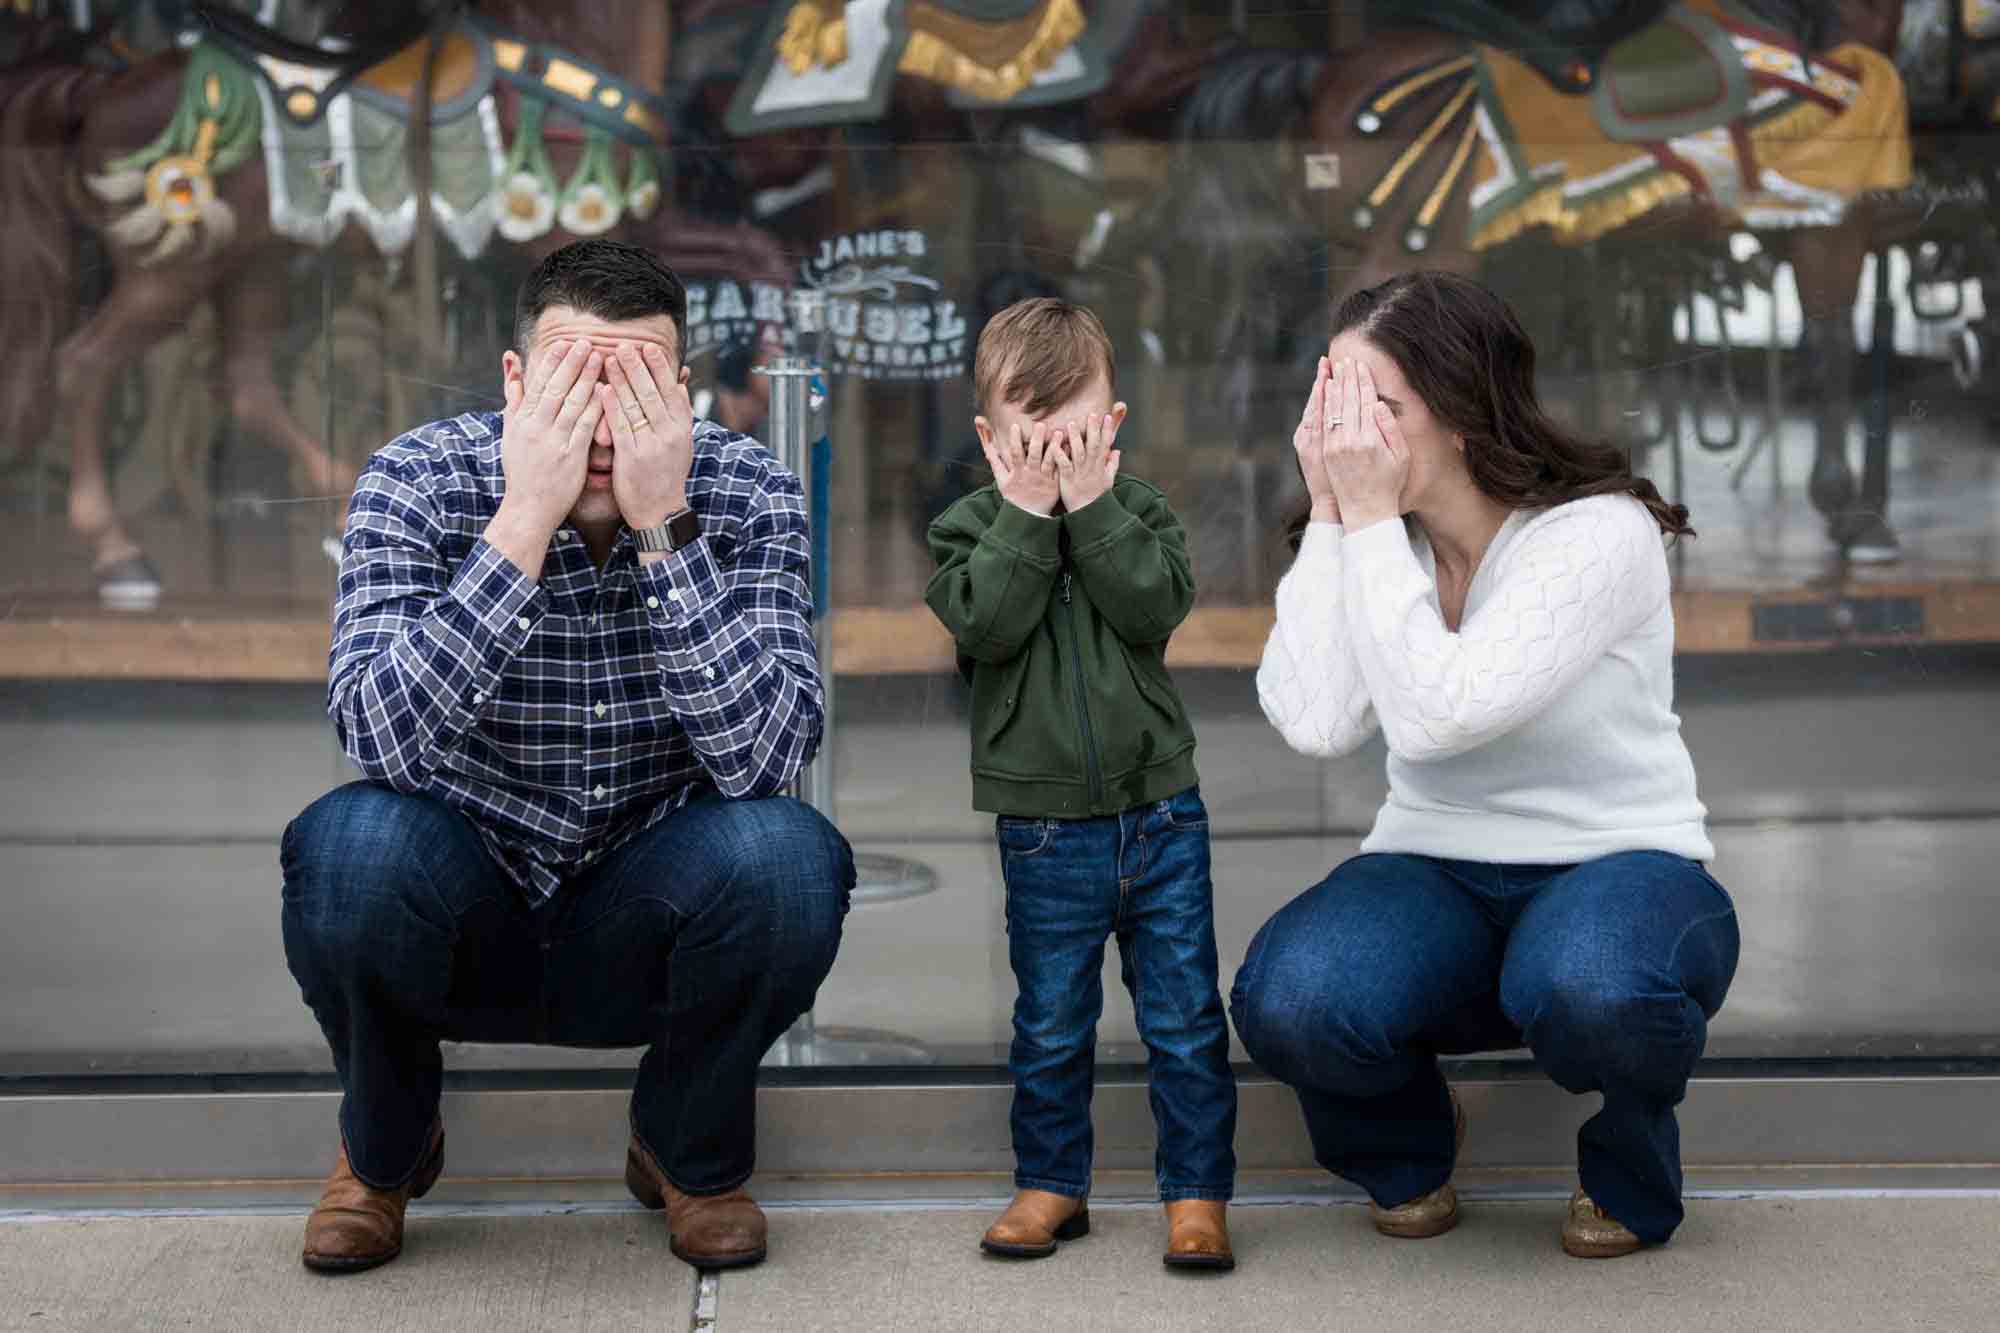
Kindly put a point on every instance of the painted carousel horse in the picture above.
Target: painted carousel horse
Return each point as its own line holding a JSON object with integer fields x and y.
{"x": 965, "y": 135}
{"x": 1451, "y": 134}
{"x": 203, "y": 171}
{"x": 1755, "y": 114}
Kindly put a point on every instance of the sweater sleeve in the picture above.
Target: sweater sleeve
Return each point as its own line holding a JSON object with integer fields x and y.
{"x": 1575, "y": 581}
{"x": 1310, "y": 681}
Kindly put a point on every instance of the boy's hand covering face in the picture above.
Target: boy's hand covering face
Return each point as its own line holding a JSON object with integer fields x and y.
{"x": 1089, "y": 461}
{"x": 1024, "y": 466}
{"x": 1061, "y": 439}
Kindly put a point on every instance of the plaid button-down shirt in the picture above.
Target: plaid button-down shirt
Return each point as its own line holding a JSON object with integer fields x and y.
{"x": 564, "y": 716}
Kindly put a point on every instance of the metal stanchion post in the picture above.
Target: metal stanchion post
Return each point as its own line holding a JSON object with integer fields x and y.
{"x": 798, "y": 436}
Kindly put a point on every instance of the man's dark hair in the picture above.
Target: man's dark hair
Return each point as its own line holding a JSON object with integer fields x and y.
{"x": 608, "y": 279}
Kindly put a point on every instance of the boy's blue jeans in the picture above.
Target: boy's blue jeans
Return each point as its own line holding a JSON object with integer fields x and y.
{"x": 1143, "y": 876}
{"x": 1608, "y": 971}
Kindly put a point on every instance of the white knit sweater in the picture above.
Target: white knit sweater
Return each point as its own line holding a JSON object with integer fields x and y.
{"x": 1543, "y": 731}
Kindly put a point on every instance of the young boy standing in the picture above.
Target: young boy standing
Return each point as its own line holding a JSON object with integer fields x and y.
{"x": 1061, "y": 583}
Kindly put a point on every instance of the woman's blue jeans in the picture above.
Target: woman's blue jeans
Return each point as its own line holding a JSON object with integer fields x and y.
{"x": 1608, "y": 971}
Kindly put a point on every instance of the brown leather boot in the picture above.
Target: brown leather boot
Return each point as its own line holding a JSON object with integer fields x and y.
{"x": 706, "y": 1230}
{"x": 1034, "y": 1222}
{"x": 1430, "y": 1214}
{"x": 357, "y": 1226}
{"x": 1198, "y": 1235}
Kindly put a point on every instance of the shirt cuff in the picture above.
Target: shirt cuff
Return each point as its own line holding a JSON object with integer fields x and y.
{"x": 502, "y": 600}
{"x": 1046, "y": 518}
{"x": 684, "y": 587}
{"x": 1377, "y": 541}
{"x": 1097, "y": 522}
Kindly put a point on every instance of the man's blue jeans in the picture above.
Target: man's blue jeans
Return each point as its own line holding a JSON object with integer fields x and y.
{"x": 701, "y": 939}
{"x": 1143, "y": 876}
{"x": 1608, "y": 971}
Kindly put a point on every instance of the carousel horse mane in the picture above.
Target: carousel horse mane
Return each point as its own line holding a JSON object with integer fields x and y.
{"x": 1251, "y": 93}
{"x": 250, "y": 38}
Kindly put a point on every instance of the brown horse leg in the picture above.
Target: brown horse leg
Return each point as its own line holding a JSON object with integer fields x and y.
{"x": 1827, "y": 266}
{"x": 253, "y": 315}
{"x": 1869, "y": 539}
{"x": 144, "y": 305}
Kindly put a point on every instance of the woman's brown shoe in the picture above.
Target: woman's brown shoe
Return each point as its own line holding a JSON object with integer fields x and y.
{"x": 1591, "y": 1233}
{"x": 1198, "y": 1235}
{"x": 1034, "y": 1222}
{"x": 357, "y": 1226}
{"x": 1430, "y": 1214}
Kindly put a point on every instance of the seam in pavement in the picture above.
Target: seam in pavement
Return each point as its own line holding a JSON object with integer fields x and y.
{"x": 21, "y": 1216}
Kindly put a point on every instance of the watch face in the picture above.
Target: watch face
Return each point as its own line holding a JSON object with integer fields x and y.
{"x": 682, "y": 528}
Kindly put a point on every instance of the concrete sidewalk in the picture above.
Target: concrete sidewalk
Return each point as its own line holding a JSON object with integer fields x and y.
{"x": 1853, "y": 1261}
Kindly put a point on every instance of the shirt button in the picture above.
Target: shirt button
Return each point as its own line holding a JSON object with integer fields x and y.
{"x": 479, "y": 696}
{"x": 525, "y": 623}
{"x": 674, "y": 595}
{"x": 653, "y": 603}
{"x": 599, "y": 793}
{"x": 709, "y": 672}
{"x": 599, "y": 710}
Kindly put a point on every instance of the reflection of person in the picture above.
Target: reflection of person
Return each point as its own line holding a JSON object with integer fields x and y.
{"x": 741, "y": 398}
{"x": 572, "y": 655}
{"x": 1082, "y": 747}
{"x": 1536, "y": 874}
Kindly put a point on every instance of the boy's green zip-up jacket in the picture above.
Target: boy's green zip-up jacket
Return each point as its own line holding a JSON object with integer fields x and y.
{"x": 1062, "y": 626}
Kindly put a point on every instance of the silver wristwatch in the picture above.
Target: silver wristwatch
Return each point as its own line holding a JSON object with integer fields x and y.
{"x": 680, "y": 528}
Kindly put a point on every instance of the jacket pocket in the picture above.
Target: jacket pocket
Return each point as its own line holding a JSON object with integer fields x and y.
{"x": 997, "y": 701}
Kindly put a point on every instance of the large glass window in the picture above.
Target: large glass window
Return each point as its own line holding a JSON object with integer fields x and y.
{"x": 1761, "y": 273}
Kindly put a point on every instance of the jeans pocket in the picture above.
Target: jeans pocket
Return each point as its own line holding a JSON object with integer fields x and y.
{"x": 1022, "y": 837}
{"x": 1185, "y": 812}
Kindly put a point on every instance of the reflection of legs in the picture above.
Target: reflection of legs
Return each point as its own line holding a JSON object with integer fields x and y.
{"x": 388, "y": 900}
{"x": 1336, "y": 993}
{"x": 144, "y": 305}
{"x": 1826, "y": 264}
{"x": 253, "y": 314}
{"x": 1060, "y": 906}
{"x": 1166, "y": 940}
{"x": 1612, "y": 973}
{"x": 703, "y": 937}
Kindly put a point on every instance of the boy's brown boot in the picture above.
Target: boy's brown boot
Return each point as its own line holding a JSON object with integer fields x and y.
{"x": 1198, "y": 1235}
{"x": 1034, "y": 1222}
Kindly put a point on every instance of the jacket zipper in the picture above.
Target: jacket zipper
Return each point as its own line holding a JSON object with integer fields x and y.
{"x": 1082, "y": 709}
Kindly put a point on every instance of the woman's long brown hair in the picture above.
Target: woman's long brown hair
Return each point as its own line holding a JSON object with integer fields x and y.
{"x": 1465, "y": 354}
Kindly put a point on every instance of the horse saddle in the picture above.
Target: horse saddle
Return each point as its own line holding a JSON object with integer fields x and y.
{"x": 832, "y": 62}
{"x": 1653, "y": 70}
{"x": 305, "y": 81}
{"x": 1680, "y": 75}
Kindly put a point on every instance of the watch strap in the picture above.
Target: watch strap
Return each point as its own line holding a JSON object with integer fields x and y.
{"x": 680, "y": 528}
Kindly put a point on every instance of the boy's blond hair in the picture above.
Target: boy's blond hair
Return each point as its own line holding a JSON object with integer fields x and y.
{"x": 1040, "y": 353}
